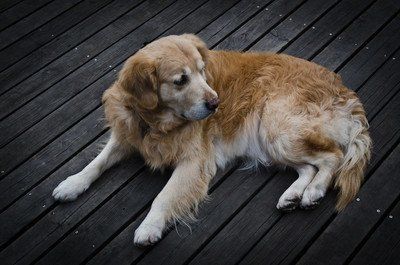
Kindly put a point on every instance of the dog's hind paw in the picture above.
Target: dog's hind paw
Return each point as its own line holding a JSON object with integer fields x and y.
{"x": 288, "y": 204}
{"x": 311, "y": 197}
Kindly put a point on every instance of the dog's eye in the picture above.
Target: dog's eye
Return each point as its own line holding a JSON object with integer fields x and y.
{"x": 184, "y": 79}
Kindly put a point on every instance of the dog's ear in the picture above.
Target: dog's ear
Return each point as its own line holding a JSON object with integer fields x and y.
{"x": 139, "y": 78}
{"x": 198, "y": 43}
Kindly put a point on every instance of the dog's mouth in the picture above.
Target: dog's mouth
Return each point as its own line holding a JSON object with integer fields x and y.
{"x": 197, "y": 115}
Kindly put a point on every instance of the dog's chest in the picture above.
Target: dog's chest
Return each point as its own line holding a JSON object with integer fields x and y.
{"x": 158, "y": 155}
{"x": 160, "y": 150}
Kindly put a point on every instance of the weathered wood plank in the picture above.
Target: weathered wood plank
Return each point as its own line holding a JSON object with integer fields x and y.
{"x": 383, "y": 246}
{"x": 46, "y": 81}
{"x": 177, "y": 249}
{"x": 125, "y": 205}
{"x": 128, "y": 254}
{"x": 50, "y": 229}
{"x": 327, "y": 28}
{"x": 65, "y": 42}
{"x": 256, "y": 26}
{"x": 241, "y": 242}
{"x": 231, "y": 20}
{"x": 379, "y": 136}
{"x": 339, "y": 228}
{"x": 92, "y": 210}
{"x": 381, "y": 87}
{"x": 33, "y": 21}
{"x": 353, "y": 224}
{"x": 16, "y": 11}
{"x": 58, "y": 218}
{"x": 247, "y": 227}
{"x": 375, "y": 53}
{"x": 76, "y": 214}
{"x": 300, "y": 227}
{"x": 62, "y": 119}
{"x": 229, "y": 235}
{"x": 290, "y": 28}
{"x": 28, "y": 247}
{"x": 110, "y": 251}
{"x": 232, "y": 243}
{"x": 163, "y": 17}
{"x": 56, "y": 123}
{"x": 49, "y": 31}
{"x": 239, "y": 187}
{"x": 21, "y": 180}
{"x": 17, "y": 150}
{"x": 370, "y": 21}
{"x": 7, "y": 4}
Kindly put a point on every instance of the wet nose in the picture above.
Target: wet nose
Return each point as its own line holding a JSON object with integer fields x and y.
{"x": 212, "y": 104}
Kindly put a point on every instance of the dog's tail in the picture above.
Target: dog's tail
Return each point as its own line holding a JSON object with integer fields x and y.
{"x": 357, "y": 154}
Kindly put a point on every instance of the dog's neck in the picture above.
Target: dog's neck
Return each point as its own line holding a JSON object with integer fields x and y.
{"x": 143, "y": 127}
{"x": 158, "y": 121}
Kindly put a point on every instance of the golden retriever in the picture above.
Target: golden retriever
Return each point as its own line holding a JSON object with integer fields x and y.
{"x": 181, "y": 105}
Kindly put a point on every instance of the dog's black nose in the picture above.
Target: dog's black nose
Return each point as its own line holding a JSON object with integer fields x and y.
{"x": 212, "y": 104}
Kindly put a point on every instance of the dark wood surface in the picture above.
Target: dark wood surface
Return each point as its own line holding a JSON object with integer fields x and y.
{"x": 56, "y": 59}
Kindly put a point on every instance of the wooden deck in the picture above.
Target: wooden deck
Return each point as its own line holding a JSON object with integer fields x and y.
{"x": 58, "y": 56}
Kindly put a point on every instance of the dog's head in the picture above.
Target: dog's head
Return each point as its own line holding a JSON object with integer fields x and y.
{"x": 170, "y": 73}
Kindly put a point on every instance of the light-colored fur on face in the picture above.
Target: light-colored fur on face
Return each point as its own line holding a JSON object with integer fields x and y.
{"x": 272, "y": 109}
{"x": 179, "y": 72}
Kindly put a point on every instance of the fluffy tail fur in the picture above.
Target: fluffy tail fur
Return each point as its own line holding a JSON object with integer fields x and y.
{"x": 357, "y": 154}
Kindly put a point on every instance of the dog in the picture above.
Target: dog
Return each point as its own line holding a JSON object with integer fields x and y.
{"x": 184, "y": 106}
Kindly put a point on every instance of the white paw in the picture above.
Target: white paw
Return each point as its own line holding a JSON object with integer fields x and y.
{"x": 147, "y": 234}
{"x": 71, "y": 188}
{"x": 289, "y": 200}
{"x": 312, "y": 196}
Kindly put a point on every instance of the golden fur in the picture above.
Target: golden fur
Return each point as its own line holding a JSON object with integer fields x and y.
{"x": 272, "y": 108}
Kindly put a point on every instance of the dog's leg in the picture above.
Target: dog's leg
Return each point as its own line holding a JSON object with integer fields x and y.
{"x": 316, "y": 190}
{"x": 186, "y": 188}
{"x": 291, "y": 198}
{"x": 74, "y": 185}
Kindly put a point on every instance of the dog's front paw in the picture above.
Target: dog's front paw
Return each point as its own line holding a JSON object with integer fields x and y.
{"x": 147, "y": 234}
{"x": 71, "y": 188}
{"x": 311, "y": 197}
